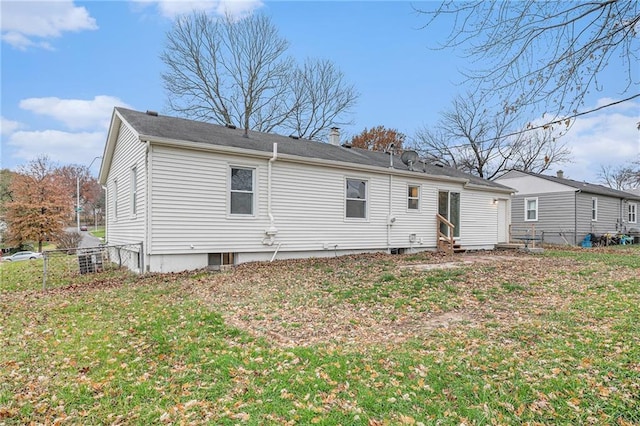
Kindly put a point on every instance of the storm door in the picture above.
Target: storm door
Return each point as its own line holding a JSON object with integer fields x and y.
{"x": 449, "y": 208}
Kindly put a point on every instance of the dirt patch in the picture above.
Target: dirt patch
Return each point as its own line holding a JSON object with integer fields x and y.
{"x": 466, "y": 261}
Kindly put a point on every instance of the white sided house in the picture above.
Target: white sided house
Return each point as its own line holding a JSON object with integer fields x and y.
{"x": 197, "y": 194}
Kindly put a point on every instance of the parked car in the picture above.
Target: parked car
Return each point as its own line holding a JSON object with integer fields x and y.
{"x": 84, "y": 228}
{"x": 23, "y": 255}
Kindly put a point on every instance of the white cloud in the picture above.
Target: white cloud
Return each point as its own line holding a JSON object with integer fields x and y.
{"x": 62, "y": 147}
{"x": 8, "y": 126}
{"x": 173, "y": 8}
{"x": 76, "y": 114}
{"x": 606, "y": 137}
{"x": 26, "y": 23}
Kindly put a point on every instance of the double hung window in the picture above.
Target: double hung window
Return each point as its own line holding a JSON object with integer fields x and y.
{"x": 356, "y": 199}
{"x": 530, "y": 209}
{"x": 241, "y": 191}
{"x": 413, "y": 198}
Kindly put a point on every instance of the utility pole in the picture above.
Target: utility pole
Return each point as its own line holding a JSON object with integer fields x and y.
{"x": 78, "y": 208}
{"x": 78, "y": 202}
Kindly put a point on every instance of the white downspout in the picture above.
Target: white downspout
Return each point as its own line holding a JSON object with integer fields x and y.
{"x": 275, "y": 252}
{"x": 390, "y": 219}
{"x": 272, "y": 231}
{"x": 105, "y": 216}
{"x": 147, "y": 212}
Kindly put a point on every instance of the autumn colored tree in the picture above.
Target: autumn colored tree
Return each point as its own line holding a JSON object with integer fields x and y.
{"x": 39, "y": 206}
{"x": 378, "y": 138}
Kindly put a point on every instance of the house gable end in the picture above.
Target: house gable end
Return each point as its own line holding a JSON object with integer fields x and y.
{"x": 117, "y": 121}
{"x": 527, "y": 184}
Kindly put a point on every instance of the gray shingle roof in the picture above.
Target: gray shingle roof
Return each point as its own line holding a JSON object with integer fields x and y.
{"x": 180, "y": 129}
{"x": 589, "y": 187}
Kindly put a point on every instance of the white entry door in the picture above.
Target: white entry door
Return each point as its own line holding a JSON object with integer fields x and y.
{"x": 503, "y": 223}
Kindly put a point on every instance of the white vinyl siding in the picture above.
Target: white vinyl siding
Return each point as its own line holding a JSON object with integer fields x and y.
{"x": 413, "y": 198}
{"x": 594, "y": 209}
{"x": 193, "y": 209}
{"x": 632, "y": 215}
{"x": 356, "y": 198}
{"x": 115, "y": 199}
{"x": 125, "y": 176}
{"x": 134, "y": 191}
{"x": 190, "y": 211}
{"x": 531, "y": 209}
{"x": 479, "y": 219}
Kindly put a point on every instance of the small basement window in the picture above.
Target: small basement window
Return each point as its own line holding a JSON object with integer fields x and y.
{"x": 217, "y": 260}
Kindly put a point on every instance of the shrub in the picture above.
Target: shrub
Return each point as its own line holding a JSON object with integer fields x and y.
{"x": 69, "y": 241}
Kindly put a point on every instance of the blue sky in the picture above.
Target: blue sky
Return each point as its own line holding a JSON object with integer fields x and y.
{"x": 66, "y": 64}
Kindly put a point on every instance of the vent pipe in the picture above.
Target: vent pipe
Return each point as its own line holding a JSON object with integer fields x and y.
{"x": 560, "y": 174}
{"x": 334, "y": 136}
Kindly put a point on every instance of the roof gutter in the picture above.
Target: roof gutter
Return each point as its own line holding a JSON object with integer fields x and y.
{"x": 477, "y": 187}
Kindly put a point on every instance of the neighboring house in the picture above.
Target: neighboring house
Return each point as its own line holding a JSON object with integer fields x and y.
{"x": 567, "y": 210}
{"x": 197, "y": 194}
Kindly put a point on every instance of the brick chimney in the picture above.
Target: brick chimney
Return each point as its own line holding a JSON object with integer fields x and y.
{"x": 334, "y": 136}
{"x": 560, "y": 174}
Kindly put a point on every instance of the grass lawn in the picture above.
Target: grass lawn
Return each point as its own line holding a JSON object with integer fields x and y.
{"x": 480, "y": 338}
{"x": 98, "y": 233}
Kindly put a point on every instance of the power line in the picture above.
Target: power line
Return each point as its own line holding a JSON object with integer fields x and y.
{"x": 550, "y": 123}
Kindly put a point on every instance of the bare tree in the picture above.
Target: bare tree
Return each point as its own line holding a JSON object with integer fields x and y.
{"x": 622, "y": 177}
{"x": 474, "y": 139}
{"x": 236, "y": 72}
{"x": 544, "y": 53}
{"x": 320, "y": 96}
{"x": 538, "y": 150}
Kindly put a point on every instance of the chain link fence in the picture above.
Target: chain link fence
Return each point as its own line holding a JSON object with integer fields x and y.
{"x": 67, "y": 266}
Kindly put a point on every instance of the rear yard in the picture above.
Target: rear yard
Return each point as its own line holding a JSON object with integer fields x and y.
{"x": 479, "y": 338}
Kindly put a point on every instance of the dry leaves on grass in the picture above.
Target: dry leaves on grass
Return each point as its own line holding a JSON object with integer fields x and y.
{"x": 380, "y": 299}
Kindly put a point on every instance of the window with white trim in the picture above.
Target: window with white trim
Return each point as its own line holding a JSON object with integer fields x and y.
{"x": 134, "y": 191}
{"x": 356, "y": 199}
{"x": 633, "y": 212}
{"x": 594, "y": 209}
{"x": 241, "y": 191}
{"x": 531, "y": 209}
{"x": 413, "y": 197}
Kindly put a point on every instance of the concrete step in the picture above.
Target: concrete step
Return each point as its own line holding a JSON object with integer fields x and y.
{"x": 509, "y": 246}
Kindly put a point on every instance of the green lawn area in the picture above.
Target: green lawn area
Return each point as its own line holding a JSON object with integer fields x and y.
{"x": 487, "y": 338}
{"x": 99, "y": 232}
